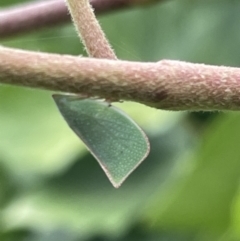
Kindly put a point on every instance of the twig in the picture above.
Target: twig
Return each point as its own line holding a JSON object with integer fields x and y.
{"x": 35, "y": 15}
{"x": 89, "y": 29}
{"x": 172, "y": 85}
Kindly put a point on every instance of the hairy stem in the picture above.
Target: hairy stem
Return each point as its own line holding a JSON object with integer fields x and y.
{"x": 36, "y": 15}
{"x": 87, "y": 26}
{"x": 171, "y": 85}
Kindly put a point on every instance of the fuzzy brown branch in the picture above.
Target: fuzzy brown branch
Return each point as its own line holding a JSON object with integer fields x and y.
{"x": 35, "y": 15}
{"x": 171, "y": 85}
{"x": 89, "y": 29}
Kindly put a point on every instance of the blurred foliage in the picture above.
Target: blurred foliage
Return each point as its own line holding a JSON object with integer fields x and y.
{"x": 51, "y": 188}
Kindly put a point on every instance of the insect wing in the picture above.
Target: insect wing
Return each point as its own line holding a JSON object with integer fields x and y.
{"x": 114, "y": 139}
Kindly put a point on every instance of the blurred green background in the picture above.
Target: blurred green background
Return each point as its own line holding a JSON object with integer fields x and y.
{"x": 52, "y": 189}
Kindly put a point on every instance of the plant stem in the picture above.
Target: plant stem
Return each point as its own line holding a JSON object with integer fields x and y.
{"x": 170, "y": 85}
{"x": 90, "y": 32}
{"x": 36, "y": 15}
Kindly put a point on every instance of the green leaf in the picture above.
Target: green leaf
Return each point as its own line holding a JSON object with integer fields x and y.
{"x": 202, "y": 201}
{"x": 34, "y": 140}
{"x": 114, "y": 139}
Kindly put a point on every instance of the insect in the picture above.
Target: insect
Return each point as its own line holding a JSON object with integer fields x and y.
{"x": 113, "y": 138}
